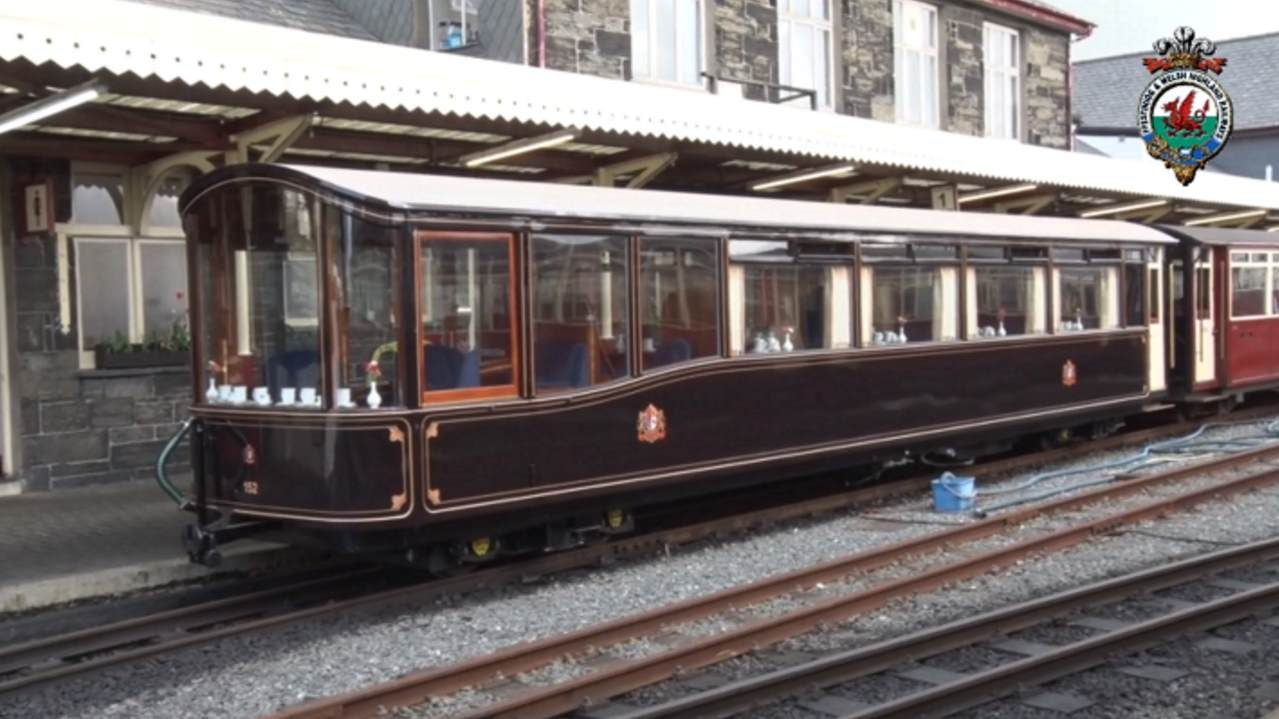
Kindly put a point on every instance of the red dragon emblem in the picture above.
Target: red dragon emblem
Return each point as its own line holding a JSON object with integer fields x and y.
{"x": 1182, "y": 119}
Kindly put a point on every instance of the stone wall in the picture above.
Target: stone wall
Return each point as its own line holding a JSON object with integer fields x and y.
{"x": 78, "y": 427}
{"x": 591, "y": 37}
{"x": 746, "y": 42}
{"x": 866, "y": 54}
{"x": 1046, "y": 69}
{"x": 964, "y": 83}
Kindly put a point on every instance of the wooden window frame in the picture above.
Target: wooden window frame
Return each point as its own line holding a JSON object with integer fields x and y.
{"x": 512, "y": 389}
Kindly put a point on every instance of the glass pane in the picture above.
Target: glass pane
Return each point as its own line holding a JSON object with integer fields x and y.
{"x": 928, "y": 106}
{"x": 641, "y": 40}
{"x": 679, "y": 296}
{"x": 466, "y": 308}
{"x": 665, "y": 42}
{"x": 1248, "y": 298}
{"x": 802, "y": 54}
{"x": 104, "y": 292}
{"x": 368, "y": 301}
{"x": 1152, "y": 292}
{"x": 1004, "y": 301}
{"x": 1274, "y": 292}
{"x": 164, "y": 294}
{"x": 688, "y": 35}
{"x": 761, "y": 250}
{"x": 912, "y": 89}
{"x": 786, "y": 308}
{"x": 1135, "y": 294}
{"x": 902, "y": 305}
{"x": 580, "y": 311}
{"x": 1081, "y": 298}
{"x": 164, "y": 206}
{"x": 785, "y": 52}
{"x": 97, "y": 199}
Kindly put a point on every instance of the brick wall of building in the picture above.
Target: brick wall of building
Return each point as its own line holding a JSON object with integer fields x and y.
{"x": 964, "y": 82}
{"x": 591, "y": 37}
{"x": 745, "y": 40}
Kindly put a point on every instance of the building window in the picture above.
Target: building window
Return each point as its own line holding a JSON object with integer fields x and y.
{"x": 1007, "y": 301}
{"x": 1002, "y": 60}
{"x": 666, "y": 40}
{"x": 679, "y": 300}
{"x": 1088, "y": 298}
{"x": 804, "y": 54}
{"x": 915, "y": 62}
{"x": 580, "y": 311}
{"x": 455, "y": 23}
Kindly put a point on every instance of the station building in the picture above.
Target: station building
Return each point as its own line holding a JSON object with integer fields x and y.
{"x": 110, "y": 107}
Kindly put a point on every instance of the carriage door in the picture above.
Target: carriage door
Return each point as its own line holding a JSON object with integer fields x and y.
{"x": 1157, "y": 357}
{"x": 1205, "y": 330}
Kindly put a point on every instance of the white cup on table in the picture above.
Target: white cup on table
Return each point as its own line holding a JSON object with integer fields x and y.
{"x": 288, "y": 395}
{"x": 308, "y": 397}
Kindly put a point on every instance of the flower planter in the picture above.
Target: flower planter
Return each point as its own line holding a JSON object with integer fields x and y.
{"x": 145, "y": 358}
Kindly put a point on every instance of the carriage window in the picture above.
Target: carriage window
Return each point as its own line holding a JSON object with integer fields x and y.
{"x": 1088, "y": 298}
{"x": 468, "y": 341}
{"x": 1203, "y": 297}
{"x": 1248, "y": 291}
{"x": 262, "y": 297}
{"x": 1152, "y": 292}
{"x": 789, "y": 307}
{"x": 368, "y": 301}
{"x": 1009, "y": 301}
{"x": 911, "y": 304}
{"x": 580, "y": 310}
{"x": 1135, "y": 295}
{"x": 679, "y": 300}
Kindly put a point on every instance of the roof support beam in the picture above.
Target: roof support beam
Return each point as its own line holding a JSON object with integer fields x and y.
{"x": 1027, "y": 205}
{"x": 280, "y": 133}
{"x": 640, "y": 170}
{"x": 1151, "y": 217}
{"x": 144, "y": 181}
{"x": 870, "y": 191}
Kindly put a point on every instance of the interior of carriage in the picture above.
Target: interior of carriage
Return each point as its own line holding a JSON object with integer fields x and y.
{"x": 284, "y": 281}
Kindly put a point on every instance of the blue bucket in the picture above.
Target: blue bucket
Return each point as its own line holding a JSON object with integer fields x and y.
{"x": 954, "y": 494}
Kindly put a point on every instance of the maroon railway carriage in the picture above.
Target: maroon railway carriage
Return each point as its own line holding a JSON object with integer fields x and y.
{"x": 1225, "y": 331}
{"x": 550, "y": 354}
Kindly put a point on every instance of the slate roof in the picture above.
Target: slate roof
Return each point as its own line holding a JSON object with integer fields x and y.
{"x": 322, "y": 16}
{"x": 1106, "y": 89}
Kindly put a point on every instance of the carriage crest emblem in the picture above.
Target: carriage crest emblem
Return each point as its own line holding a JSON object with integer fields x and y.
{"x": 1068, "y": 374}
{"x": 1184, "y": 115}
{"x": 651, "y": 426}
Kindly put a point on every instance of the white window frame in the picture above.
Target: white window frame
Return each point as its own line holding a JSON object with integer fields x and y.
{"x": 819, "y": 27}
{"x": 992, "y": 75}
{"x": 900, "y": 86}
{"x": 646, "y": 75}
{"x": 433, "y": 22}
{"x": 71, "y": 235}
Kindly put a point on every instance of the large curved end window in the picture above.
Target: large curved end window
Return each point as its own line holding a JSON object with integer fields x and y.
{"x": 580, "y": 311}
{"x": 679, "y": 300}
{"x": 467, "y": 306}
{"x": 260, "y": 295}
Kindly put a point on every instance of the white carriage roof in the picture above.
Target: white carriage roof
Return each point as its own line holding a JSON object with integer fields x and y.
{"x": 115, "y": 37}
{"x": 412, "y": 191}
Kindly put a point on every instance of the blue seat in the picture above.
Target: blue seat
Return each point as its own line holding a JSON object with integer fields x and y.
{"x": 677, "y": 350}
{"x": 560, "y": 364}
{"x": 442, "y": 364}
{"x": 294, "y": 368}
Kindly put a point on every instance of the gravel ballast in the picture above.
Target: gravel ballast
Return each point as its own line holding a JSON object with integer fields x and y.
{"x": 251, "y": 675}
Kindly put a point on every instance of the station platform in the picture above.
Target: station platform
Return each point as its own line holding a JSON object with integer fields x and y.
{"x": 58, "y": 547}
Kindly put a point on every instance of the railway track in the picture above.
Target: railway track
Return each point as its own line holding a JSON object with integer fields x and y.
{"x": 35, "y": 662}
{"x": 1029, "y": 663}
{"x": 609, "y": 677}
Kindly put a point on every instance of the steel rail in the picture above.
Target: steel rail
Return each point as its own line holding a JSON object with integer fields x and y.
{"x": 418, "y": 687}
{"x": 1073, "y": 658}
{"x": 625, "y": 676}
{"x": 746, "y": 694}
{"x": 71, "y": 653}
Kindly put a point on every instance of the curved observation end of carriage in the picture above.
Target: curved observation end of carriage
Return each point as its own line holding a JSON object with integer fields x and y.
{"x": 385, "y": 360}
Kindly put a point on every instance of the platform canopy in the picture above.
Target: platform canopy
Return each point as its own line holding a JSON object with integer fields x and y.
{"x": 183, "y": 88}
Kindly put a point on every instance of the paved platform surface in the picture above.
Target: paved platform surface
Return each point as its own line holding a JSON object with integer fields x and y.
{"x": 61, "y": 546}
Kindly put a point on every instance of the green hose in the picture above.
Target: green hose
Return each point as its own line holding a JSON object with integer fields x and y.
{"x": 162, "y": 475}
